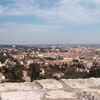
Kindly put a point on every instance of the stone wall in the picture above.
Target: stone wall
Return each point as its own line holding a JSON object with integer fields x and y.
{"x": 51, "y": 89}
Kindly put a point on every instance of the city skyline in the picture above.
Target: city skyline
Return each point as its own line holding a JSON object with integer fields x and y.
{"x": 49, "y": 21}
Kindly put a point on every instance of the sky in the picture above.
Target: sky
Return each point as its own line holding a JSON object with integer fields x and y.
{"x": 49, "y": 21}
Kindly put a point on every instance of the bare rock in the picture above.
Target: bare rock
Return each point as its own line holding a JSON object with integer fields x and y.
{"x": 86, "y": 95}
{"x": 60, "y": 95}
{"x": 50, "y": 84}
{"x": 51, "y": 89}
{"x": 27, "y": 86}
{"x": 20, "y": 95}
{"x": 82, "y": 83}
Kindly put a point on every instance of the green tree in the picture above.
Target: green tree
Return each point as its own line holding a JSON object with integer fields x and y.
{"x": 34, "y": 71}
{"x": 3, "y": 59}
{"x": 75, "y": 74}
{"x": 17, "y": 72}
{"x": 94, "y": 73}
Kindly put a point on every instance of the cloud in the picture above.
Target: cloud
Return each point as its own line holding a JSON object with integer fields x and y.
{"x": 27, "y": 33}
{"x": 55, "y": 11}
{"x": 27, "y": 28}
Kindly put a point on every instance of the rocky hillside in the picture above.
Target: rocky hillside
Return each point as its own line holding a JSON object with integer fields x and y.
{"x": 51, "y": 89}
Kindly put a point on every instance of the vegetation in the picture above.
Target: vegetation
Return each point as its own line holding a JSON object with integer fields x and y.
{"x": 75, "y": 75}
{"x": 94, "y": 73}
{"x": 3, "y": 58}
{"x": 34, "y": 71}
{"x": 15, "y": 80}
{"x": 49, "y": 58}
{"x": 15, "y": 73}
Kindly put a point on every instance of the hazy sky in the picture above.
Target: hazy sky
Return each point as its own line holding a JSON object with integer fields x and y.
{"x": 49, "y": 21}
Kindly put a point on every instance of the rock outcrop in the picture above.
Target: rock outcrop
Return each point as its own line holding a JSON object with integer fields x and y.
{"x": 51, "y": 89}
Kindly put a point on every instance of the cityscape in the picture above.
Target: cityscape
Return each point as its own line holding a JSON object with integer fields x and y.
{"x": 27, "y": 63}
{"x": 49, "y": 49}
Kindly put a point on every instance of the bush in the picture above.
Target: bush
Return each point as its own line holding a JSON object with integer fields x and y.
{"x": 94, "y": 73}
{"x": 15, "y": 80}
{"x": 75, "y": 75}
{"x": 49, "y": 58}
